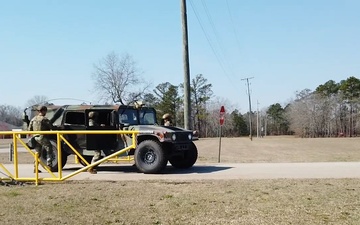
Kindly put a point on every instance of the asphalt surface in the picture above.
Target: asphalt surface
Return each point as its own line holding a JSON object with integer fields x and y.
{"x": 215, "y": 171}
{"x": 6, "y": 149}
{"x": 116, "y": 172}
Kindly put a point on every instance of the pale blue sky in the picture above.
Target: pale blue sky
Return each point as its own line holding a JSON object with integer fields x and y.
{"x": 49, "y": 47}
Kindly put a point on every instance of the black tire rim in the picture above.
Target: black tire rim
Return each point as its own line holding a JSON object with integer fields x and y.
{"x": 54, "y": 157}
{"x": 149, "y": 156}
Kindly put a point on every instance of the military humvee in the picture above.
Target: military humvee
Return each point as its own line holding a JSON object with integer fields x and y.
{"x": 155, "y": 148}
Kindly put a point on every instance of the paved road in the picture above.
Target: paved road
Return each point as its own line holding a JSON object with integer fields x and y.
{"x": 5, "y": 149}
{"x": 211, "y": 171}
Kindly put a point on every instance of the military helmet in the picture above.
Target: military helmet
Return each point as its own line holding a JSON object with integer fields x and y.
{"x": 41, "y": 108}
{"x": 92, "y": 114}
{"x": 166, "y": 116}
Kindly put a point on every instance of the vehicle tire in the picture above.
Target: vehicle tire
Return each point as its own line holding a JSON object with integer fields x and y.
{"x": 150, "y": 157}
{"x": 54, "y": 167}
{"x": 187, "y": 160}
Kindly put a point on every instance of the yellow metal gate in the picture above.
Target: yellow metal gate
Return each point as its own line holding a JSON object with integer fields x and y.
{"x": 58, "y": 176}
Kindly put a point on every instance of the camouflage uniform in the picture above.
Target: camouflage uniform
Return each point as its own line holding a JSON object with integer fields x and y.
{"x": 97, "y": 153}
{"x": 42, "y": 123}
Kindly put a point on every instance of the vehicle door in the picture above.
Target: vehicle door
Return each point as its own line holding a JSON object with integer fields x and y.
{"x": 75, "y": 120}
{"x": 104, "y": 121}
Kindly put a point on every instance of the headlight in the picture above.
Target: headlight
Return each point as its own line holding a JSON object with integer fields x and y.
{"x": 173, "y": 137}
{"x": 190, "y": 137}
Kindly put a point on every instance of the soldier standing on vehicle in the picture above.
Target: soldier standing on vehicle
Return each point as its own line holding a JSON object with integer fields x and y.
{"x": 42, "y": 123}
{"x": 96, "y": 157}
{"x": 167, "y": 119}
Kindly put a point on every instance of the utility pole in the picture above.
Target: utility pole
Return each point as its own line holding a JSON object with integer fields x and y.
{"x": 266, "y": 116}
{"x": 187, "y": 108}
{"x": 250, "y": 124}
{"x": 257, "y": 119}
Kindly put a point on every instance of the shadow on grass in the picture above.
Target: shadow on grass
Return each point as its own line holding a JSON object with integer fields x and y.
{"x": 168, "y": 170}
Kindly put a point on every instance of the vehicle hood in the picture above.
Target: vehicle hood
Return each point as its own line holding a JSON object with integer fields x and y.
{"x": 158, "y": 128}
{"x": 163, "y": 129}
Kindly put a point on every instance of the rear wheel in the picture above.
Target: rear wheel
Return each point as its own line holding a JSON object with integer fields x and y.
{"x": 54, "y": 166}
{"x": 186, "y": 160}
{"x": 150, "y": 157}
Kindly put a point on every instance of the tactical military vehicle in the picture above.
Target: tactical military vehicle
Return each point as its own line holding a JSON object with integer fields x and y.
{"x": 155, "y": 148}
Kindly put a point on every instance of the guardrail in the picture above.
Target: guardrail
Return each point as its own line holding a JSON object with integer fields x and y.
{"x": 59, "y": 138}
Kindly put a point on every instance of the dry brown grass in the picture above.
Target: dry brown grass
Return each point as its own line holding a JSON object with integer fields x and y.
{"x": 282, "y": 201}
{"x": 279, "y": 149}
{"x": 196, "y": 202}
{"x": 269, "y": 149}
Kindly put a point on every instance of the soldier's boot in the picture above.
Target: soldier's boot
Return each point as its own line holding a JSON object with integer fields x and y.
{"x": 92, "y": 171}
{"x": 49, "y": 157}
{"x": 39, "y": 171}
{"x": 49, "y": 162}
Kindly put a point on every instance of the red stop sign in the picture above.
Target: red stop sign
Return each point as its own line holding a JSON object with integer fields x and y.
{"x": 222, "y": 120}
{"x": 222, "y": 115}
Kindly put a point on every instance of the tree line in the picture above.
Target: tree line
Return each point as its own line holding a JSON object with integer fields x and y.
{"x": 332, "y": 109}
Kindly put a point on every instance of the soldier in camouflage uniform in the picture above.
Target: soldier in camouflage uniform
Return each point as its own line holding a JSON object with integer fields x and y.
{"x": 97, "y": 154}
{"x": 167, "y": 119}
{"x": 42, "y": 123}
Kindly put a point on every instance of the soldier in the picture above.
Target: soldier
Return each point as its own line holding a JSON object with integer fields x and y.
{"x": 42, "y": 123}
{"x": 93, "y": 122}
{"x": 167, "y": 119}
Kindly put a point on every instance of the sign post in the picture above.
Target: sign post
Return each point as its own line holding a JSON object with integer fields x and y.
{"x": 222, "y": 119}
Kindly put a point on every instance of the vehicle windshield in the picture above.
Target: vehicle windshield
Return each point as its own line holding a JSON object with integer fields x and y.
{"x": 141, "y": 116}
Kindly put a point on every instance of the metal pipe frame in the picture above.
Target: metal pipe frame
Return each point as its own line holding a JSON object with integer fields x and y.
{"x": 59, "y": 136}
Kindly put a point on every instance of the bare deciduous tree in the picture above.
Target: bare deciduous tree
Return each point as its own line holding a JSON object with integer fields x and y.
{"x": 37, "y": 99}
{"x": 213, "y": 118}
{"x": 200, "y": 92}
{"x": 10, "y": 114}
{"x": 331, "y": 110}
{"x": 118, "y": 79}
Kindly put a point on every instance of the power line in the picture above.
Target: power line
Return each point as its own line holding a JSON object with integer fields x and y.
{"x": 208, "y": 38}
{"x": 217, "y": 36}
{"x": 219, "y": 41}
{"x": 209, "y": 41}
{"x": 233, "y": 25}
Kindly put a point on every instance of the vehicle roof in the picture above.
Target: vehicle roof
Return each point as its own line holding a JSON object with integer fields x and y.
{"x": 51, "y": 107}
{"x": 89, "y": 107}
{"x": 99, "y": 107}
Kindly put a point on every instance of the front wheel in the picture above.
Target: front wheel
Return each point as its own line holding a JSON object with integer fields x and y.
{"x": 150, "y": 157}
{"x": 54, "y": 167}
{"x": 187, "y": 159}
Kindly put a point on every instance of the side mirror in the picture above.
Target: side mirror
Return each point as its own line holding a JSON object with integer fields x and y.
{"x": 25, "y": 118}
{"x": 195, "y": 135}
{"x": 123, "y": 125}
